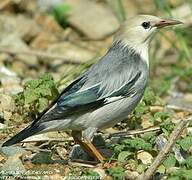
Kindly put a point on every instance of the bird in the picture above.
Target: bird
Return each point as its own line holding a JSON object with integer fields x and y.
{"x": 107, "y": 92}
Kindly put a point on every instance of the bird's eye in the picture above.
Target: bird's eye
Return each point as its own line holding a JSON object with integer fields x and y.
{"x": 146, "y": 25}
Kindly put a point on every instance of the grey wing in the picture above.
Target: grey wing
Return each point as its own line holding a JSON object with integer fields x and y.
{"x": 94, "y": 94}
{"x": 112, "y": 78}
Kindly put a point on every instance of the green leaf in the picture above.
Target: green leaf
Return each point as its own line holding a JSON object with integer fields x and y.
{"x": 44, "y": 91}
{"x": 167, "y": 126}
{"x": 173, "y": 178}
{"x": 123, "y": 156}
{"x": 32, "y": 84}
{"x": 19, "y": 99}
{"x": 141, "y": 168}
{"x": 30, "y": 96}
{"x": 186, "y": 143}
{"x": 46, "y": 77}
{"x": 137, "y": 144}
{"x": 161, "y": 169}
{"x": 88, "y": 174}
{"x": 150, "y": 137}
{"x": 140, "y": 109}
{"x": 118, "y": 148}
{"x": 188, "y": 162}
{"x": 162, "y": 115}
{"x": 43, "y": 103}
{"x": 149, "y": 96}
{"x": 117, "y": 173}
{"x": 170, "y": 161}
{"x": 182, "y": 174}
{"x": 61, "y": 13}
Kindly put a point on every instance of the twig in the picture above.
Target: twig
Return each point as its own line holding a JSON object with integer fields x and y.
{"x": 166, "y": 150}
{"x": 82, "y": 163}
{"x": 133, "y": 132}
{"x": 178, "y": 108}
{"x": 34, "y": 149}
{"x": 39, "y": 54}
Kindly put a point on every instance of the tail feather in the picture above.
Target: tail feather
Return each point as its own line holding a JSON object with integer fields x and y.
{"x": 25, "y": 133}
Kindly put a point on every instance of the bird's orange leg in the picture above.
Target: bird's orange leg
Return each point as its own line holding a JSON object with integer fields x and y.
{"x": 89, "y": 148}
{"x": 94, "y": 151}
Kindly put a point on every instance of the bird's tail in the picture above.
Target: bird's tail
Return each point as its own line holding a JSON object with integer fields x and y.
{"x": 25, "y": 133}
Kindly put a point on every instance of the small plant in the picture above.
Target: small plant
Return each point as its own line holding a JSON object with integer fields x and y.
{"x": 61, "y": 13}
{"x": 117, "y": 173}
{"x": 167, "y": 127}
{"x": 127, "y": 148}
{"x": 186, "y": 142}
{"x": 37, "y": 94}
{"x": 148, "y": 99}
{"x": 181, "y": 174}
{"x": 137, "y": 144}
{"x": 88, "y": 174}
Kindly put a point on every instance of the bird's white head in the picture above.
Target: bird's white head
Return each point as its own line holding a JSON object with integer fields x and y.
{"x": 136, "y": 32}
{"x": 141, "y": 28}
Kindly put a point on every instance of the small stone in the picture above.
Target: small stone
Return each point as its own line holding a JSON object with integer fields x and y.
{"x": 19, "y": 67}
{"x": 7, "y": 80}
{"x": 145, "y": 121}
{"x": 48, "y": 4}
{"x": 98, "y": 140}
{"x": 13, "y": 89}
{"x": 14, "y": 41}
{"x": 131, "y": 175}
{"x": 2, "y": 126}
{"x": 180, "y": 102}
{"x": 101, "y": 172}
{"x": 43, "y": 41}
{"x": 6, "y": 103}
{"x": 13, "y": 166}
{"x": 62, "y": 152}
{"x": 107, "y": 178}
{"x": 48, "y": 23}
{"x": 4, "y": 57}
{"x": 17, "y": 117}
{"x": 78, "y": 153}
{"x": 94, "y": 20}
{"x": 23, "y": 26}
{"x": 28, "y": 28}
{"x": 42, "y": 158}
{"x": 7, "y": 115}
{"x": 2, "y": 158}
{"x": 72, "y": 52}
{"x": 11, "y": 85}
{"x": 11, "y": 151}
{"x": 30, "y": 60}
{"x": 145, "y": 157}
{"x": 7, "y": 72}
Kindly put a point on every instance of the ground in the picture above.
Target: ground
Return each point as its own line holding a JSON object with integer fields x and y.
{"x": 45, "y": 44}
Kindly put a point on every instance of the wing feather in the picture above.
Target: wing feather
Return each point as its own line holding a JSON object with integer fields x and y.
{"x": 109, "y": 80}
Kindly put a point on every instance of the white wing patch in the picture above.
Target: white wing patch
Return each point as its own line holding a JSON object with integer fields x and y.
{"x": 113, "y": 99}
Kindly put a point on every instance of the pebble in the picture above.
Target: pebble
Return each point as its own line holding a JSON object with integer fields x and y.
{"x": 94, "y": 20}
